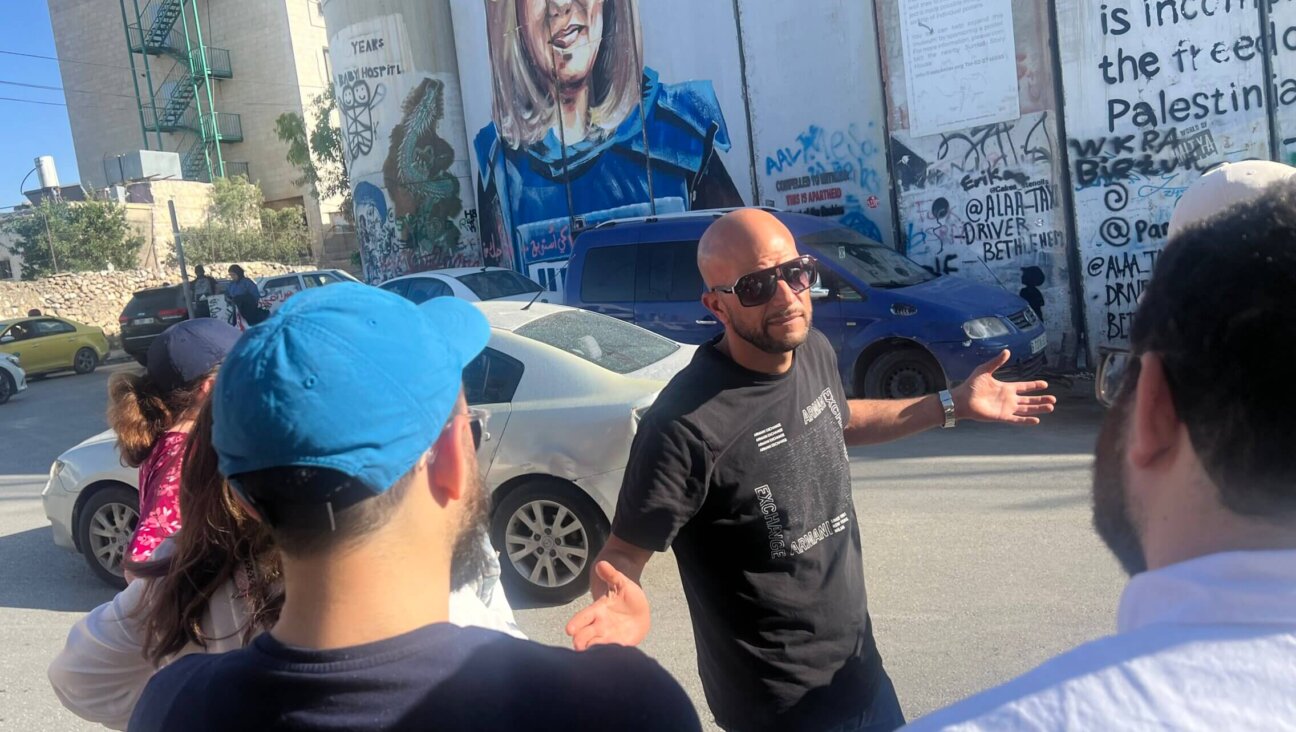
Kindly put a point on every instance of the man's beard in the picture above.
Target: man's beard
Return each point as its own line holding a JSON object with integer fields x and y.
{"x": 472, "y": 548}
{"x": 1111, "y": 512}
{"x": 761, "y": 338}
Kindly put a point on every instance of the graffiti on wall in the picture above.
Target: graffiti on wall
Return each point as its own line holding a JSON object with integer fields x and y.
{"x": 582, "y": 130}
{"x": 1167, "y": 94}
{"x": 983, "y": 203}
{"x": 409, "y": 211}
{"x": 831, "y": 173}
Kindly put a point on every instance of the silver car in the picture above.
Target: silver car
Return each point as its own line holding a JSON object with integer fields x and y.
{"x": 564, "y": 388}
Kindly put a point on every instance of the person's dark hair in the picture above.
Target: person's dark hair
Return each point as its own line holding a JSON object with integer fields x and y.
{"x": 234, "y": 269}
{"x": 217, "y": 541}
{"x": 1218, "y": 311}
{"x": 140, "y": 411}
{"x": 34, "y": 313}
{"x": 200, "y": 271}
{"x": 345, "y": 526}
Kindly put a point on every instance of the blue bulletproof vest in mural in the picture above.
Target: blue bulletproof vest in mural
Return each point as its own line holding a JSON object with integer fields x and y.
{"x": 608, "y": 178}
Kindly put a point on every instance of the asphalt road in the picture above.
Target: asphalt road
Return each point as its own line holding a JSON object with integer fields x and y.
{"x": 979, "y": 556}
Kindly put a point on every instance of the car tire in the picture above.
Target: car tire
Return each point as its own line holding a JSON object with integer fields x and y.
{"x": 548, "y": 567}
{"x": 902, "y": 373}
{"x": 113, "y": 511}
{"x": 7, "y": 386}
{"x": 85, "y": 361}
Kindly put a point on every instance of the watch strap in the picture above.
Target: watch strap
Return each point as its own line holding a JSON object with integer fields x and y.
{"x": 947, "y": 404}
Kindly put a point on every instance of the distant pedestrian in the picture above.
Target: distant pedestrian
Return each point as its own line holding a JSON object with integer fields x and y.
{"x": 204, "y": 286}
{"x": 34, "y": 313}
{"x": 153, "y": 415}
{"x": 741, "y": 467}
{"x": 245, "y": 296}
{"x": 377, "y": 517}
{"x": 1194, "y": 492}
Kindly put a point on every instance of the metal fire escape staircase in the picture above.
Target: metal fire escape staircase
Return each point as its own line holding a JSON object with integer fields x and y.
{"x": 182, "y": 105}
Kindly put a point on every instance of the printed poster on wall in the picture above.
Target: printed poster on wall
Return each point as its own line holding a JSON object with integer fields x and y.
{"x": 960, "y": 63}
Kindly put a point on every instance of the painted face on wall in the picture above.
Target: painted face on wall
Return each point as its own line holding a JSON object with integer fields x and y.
{"x": 567, "y": 33}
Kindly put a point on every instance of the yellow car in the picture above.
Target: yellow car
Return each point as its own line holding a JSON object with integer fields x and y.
{"x": 45, "y": 344}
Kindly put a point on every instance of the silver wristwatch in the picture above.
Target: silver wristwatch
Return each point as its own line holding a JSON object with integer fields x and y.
{"x": 947, "y": 403}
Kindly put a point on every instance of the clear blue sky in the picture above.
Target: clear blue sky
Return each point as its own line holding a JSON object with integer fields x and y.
{"x": 26, "y": 129}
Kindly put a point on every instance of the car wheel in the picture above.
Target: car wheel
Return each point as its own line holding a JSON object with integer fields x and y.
{"x": 902, "y": 373}
{"x": 7, "y": 386}
{"x": 86, "y": 361}
{"x": 104, "y": 531}
{"x": 549, "y": 533}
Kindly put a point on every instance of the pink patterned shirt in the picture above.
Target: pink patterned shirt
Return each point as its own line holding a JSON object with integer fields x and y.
{"x": 159, "y": 498}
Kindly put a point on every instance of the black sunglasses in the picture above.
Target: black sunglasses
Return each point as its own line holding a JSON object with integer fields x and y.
{"x": 757, "y": 288}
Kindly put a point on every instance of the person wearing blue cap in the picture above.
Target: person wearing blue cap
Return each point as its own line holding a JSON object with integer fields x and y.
{"x": 152, "y": 416}
{"x": 342, "y": 425}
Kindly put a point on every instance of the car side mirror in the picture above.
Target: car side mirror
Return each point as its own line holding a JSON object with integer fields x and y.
{"x": 7, "y": 339}
{"x": 820, "y": 293}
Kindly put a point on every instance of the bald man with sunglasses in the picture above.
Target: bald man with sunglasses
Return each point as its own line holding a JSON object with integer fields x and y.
{"x": 741, "y": 467}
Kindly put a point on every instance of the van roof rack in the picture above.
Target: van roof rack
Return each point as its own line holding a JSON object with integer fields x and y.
{"x": 713, "y": 213}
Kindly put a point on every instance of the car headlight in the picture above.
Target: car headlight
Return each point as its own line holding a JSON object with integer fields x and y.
{"x": 982, "y": 328}
{"x": 55, "y": 470}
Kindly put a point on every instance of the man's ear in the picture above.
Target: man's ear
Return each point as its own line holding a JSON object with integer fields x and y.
{"x": 1154, "y": 428}
{"x": 713, "y": 302}
{"x": 448, "y": 468}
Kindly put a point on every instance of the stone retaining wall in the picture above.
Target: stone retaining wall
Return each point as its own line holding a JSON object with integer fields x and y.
{"x": 97, "y": 298}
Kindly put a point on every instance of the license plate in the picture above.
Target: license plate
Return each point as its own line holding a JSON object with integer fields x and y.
{"x": 1039, "y": 344}
{"x": 144, "y": 321}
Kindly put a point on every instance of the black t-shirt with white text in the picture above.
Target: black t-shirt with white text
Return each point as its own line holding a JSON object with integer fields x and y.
{"x": 746, "y": 476}
{"x": 439, "y": 677}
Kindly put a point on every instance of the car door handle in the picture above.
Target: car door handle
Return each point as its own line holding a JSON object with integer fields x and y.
{"x": 850, "y": 324}
{"x": 705, "y": 321}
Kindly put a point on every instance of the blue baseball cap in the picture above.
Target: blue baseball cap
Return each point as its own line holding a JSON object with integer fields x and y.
{"x": 347, "y": 377}
{"x": 188, "y": 351}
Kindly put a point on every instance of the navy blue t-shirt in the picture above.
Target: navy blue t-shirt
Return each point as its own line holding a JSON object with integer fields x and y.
{"x": 437, "y": 677}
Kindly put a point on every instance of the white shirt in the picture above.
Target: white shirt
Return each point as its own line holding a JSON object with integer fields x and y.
{"x": 101, "y": 672}
{"x": 1208, "y": 644}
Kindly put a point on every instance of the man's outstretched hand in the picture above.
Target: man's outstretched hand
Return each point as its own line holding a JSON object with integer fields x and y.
{"x": 619, "y": 617}
{"x": 986, "y": 399}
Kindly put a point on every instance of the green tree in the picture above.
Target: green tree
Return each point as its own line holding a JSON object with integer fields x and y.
{"x": 85, "y": 236}
{"x": 316, "y": 149}
{"x": 239, "y": 228}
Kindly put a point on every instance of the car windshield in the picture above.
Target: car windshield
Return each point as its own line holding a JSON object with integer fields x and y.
{"x": 494, "y": 285}
{"x": 875, "y": 264}
{"x": 616, "y": 346}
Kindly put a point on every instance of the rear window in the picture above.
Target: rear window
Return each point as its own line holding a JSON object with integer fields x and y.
{"x": 151, "y": 301}
{"x": 609, "y": 274}
{"x": 668, "y": 272}
{"x": 616, "y": 346}
{"x": 494, "y": 285}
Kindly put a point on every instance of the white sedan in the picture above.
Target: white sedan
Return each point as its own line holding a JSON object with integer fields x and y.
{"x": 12, "y": 377}
{"x": 474, "y": 284}
{"x": 564, "y": 388}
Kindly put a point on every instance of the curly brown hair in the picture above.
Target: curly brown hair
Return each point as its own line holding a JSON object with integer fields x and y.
{"x": 218, "y": 542}
{"x": 140, "y": 411}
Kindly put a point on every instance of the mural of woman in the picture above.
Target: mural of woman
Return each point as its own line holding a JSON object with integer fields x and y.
{"x": 581, "y": 128}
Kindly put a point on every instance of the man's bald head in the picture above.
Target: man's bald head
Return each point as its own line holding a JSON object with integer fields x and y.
{"x": 739, "y": 243}
{"x": 743, "y": 241}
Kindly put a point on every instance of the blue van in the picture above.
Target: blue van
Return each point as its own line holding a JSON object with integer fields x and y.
{"x": 899, "y": 330}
